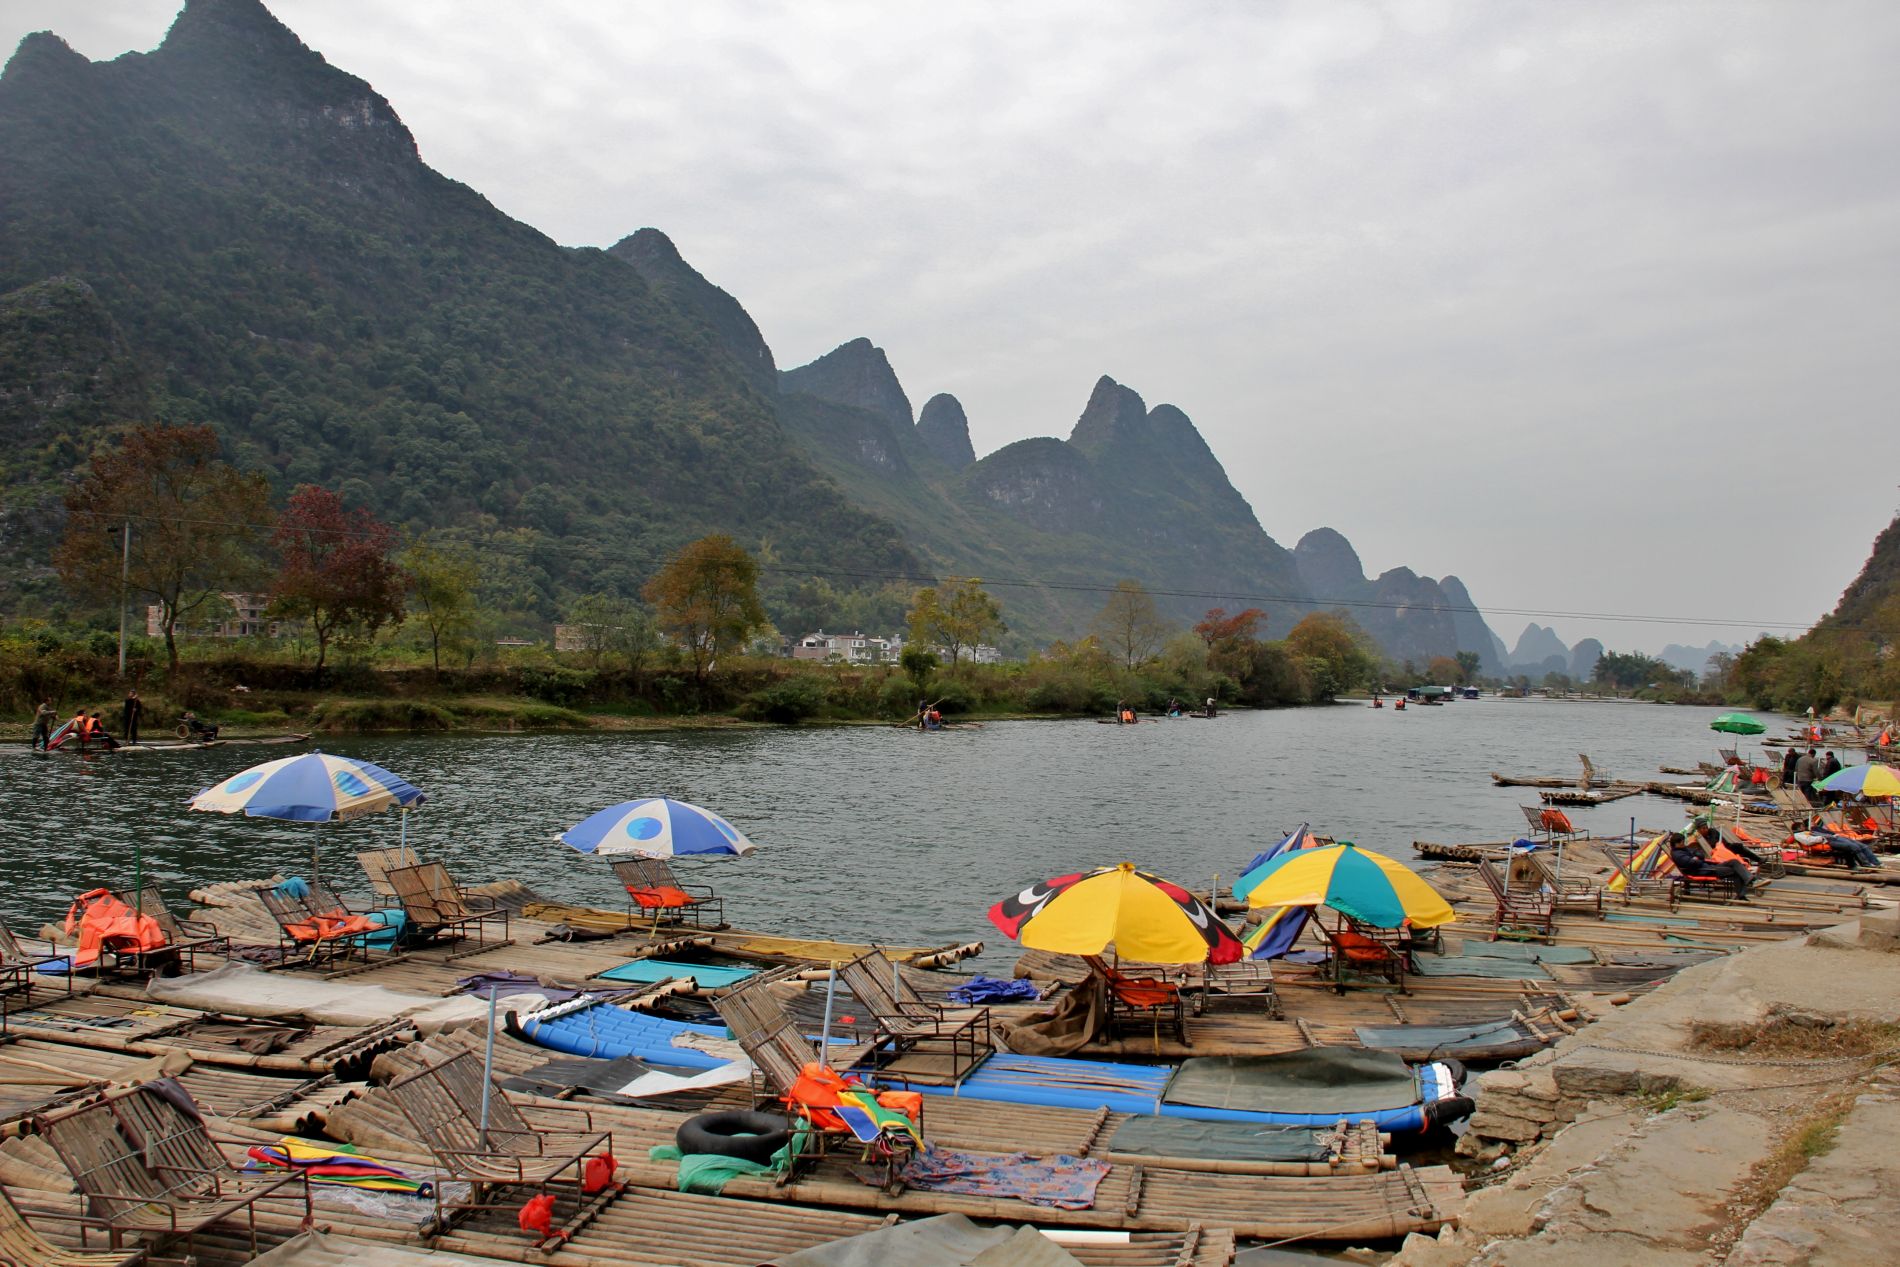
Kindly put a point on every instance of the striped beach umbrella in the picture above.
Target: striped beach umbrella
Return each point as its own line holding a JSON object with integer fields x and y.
{"x": 657, "y": 827}
{"x": 313, "y": 787}
{"x": 1368, "y": 887}
{"x": 1871, "y": 781}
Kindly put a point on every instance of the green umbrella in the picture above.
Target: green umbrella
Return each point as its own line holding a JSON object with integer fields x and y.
{"x": 1737, "y": 724}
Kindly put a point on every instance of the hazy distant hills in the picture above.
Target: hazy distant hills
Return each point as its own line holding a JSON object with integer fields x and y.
{"x": 228, "y": 229}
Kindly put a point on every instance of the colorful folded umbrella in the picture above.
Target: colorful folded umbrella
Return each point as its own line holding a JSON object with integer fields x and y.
{"x": 1145, "y": 917}
{"x": 336, "y": 1166}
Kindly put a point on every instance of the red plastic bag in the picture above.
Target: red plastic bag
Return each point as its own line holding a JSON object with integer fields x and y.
{"x": 538, "y": 1215}
{"x": 598, "y": 1172}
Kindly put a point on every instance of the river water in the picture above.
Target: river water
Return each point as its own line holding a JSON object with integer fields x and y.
{"x": 865, "y": 832}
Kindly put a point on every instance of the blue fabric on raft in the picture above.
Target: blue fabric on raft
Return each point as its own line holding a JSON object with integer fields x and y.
{"x": 981, "y": 989}
{"x": 709, "y": 976}
{"x": 609, "y": 1032}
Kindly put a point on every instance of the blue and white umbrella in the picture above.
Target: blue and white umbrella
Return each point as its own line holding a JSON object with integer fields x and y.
{"x": 313, "y": 787}
{"x": 657, "y": 827}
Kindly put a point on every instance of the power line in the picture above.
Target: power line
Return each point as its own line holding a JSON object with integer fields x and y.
{"x": 1084, "y": 587}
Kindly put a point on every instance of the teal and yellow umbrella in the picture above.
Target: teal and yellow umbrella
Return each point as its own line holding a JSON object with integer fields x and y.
{"x": 1367, "y": 887}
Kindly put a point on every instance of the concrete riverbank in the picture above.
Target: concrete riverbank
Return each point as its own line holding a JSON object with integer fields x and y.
{"x": 1741, "y": 1115}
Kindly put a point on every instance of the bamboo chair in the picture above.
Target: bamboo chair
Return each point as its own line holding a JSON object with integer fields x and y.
{"x": 1525, "y": 912}
{"x": 444, "y": 1104}
{"x": 315, "y": 924}
{"x": 146, "y": 1165}
{"x": 911, "y": 1022}
{"x": 184, "y": 938}
{"x": 22, "y": 1246}
{"x": 1134, "y": 1001}
{"x": 437, "y": 909}
{"x": 654, "y": 890}
{"x": 1368, "y": 951}
{"x": 17, "y": 967}
{"x": 779, "y": 1052}
{"x": 1551, "y": 823}
{"x": 378, "y": 863}
{"x": 772, "y": 1040}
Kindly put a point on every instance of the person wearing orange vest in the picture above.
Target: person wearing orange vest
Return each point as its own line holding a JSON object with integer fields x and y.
{"x": 80, "y": 727}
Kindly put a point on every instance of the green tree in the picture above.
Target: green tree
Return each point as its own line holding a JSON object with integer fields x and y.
{"x": 1335, "y": 652}
{"x": 608, "y": 626}
{"x": 956, "y": 614}
{"x": 918, "y": 663}
{"x": 193, "y": 519}
{"x": 1468, "y": 665}
{"x": 707, "y": 599}
{"x": 442, "y": 581}
{"x": 1130, "y": 626}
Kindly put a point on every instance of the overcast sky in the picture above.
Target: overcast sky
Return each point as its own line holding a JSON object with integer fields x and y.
{"x": 1594, "y": 305}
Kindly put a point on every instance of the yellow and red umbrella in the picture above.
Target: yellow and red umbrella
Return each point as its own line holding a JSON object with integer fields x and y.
{"x": 1145, "y": 917}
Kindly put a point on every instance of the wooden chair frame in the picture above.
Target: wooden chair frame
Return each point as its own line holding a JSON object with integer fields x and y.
{"x": 772, "y": 1040}
{"x": 17, "y": 967}
{"x": 146, "y": 1164}
{"x": 779, "y": 1051}
{"x": 443, "y": 1102}
{"x": 1529, "y": 912}
{"x": 911, "y": 1022}
{"x": 294, "y": 912}
{"x": 21, "y": 1245}
{"x": 1380, "y": 952}
{"x": 641, "y": 873}
{"x": 184, "y": 938}
{"x": 1135, "y": 1001}
{"x": 438, "y": 909}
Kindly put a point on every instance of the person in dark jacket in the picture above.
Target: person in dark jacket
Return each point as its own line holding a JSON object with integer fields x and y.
{"x": 1788, "y": 760}
{"x": 1830, "y": 766}
{"x": 1692, "y": 859}
{"x": 129, "y": 714}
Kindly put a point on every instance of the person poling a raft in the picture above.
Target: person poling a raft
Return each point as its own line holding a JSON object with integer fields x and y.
{"x": 929, "y": 716}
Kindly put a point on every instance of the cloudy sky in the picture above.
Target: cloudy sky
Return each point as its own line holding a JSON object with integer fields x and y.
{"x": 1595, "y": 305}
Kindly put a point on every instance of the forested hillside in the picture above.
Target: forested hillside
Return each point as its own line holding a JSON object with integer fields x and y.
{"x": 264, "y": 242}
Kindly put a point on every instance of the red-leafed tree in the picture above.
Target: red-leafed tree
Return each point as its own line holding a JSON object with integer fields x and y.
{"x": 1231, "y": 639}
{"x": 337, "y": 574}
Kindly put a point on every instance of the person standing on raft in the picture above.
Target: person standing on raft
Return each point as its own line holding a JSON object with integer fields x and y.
{"x": 44, "y": 719}
{"x": 129, "y": 714}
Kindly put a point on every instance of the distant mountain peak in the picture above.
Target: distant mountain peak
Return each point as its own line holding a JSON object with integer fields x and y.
{"x": 856, "y": 374}
{"x": 43, "y": 58}
{"x": 233, "y": 25}
{"x": 1113, "y": 416}
{"x": 1328, "y": 564}
{"x": 945, "y": 430}
{"x": 653, "y": 255}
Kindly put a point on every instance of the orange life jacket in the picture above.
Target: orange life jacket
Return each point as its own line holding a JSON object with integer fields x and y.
{"x": 106, "y": 923}
{"x": 1128, "y": 714}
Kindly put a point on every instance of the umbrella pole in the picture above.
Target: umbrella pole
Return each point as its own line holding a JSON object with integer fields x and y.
{"x": 831, "y": 992}
{"x": 138, "y": 878}
{"x": 488, "y": 1065}
{"x": 316, "y": 843}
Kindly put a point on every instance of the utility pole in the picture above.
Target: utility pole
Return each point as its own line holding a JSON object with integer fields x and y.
{"x": 125, "y": 572}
